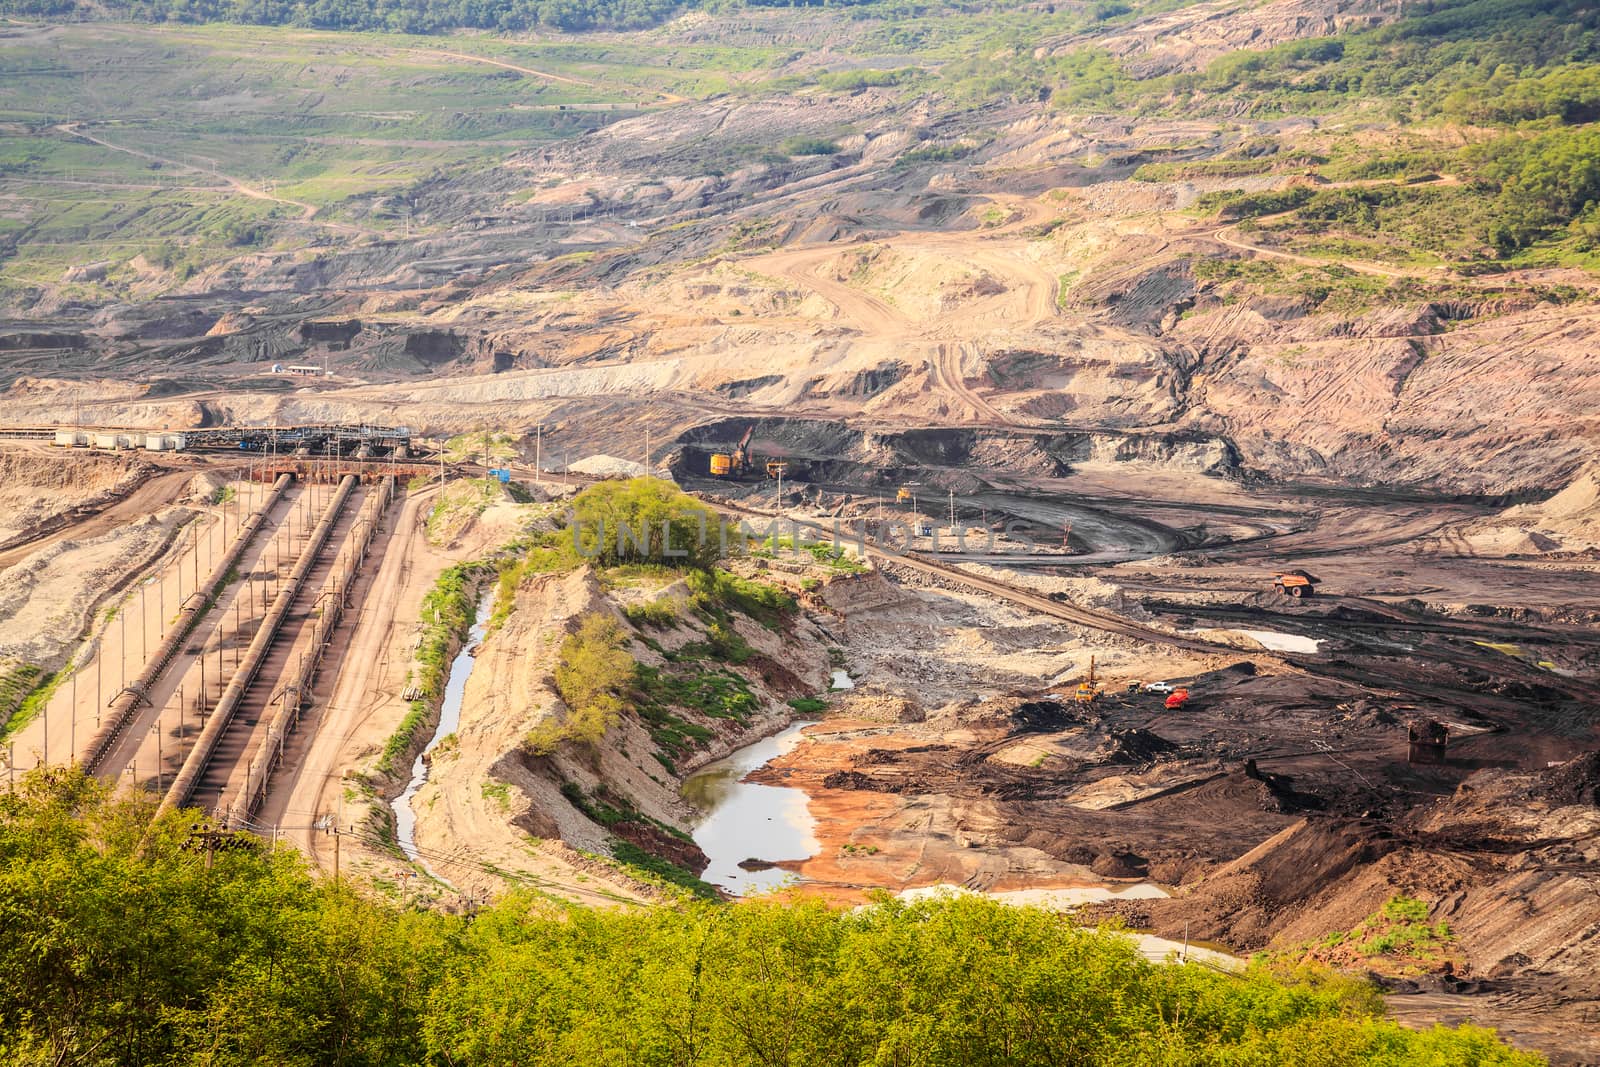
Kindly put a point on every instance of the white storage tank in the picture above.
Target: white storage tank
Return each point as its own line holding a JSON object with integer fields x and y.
{"x": 155, "y": 442}
{"x": 176, "y": 442}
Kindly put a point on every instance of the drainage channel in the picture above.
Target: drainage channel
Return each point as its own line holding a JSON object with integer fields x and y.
{"x": 455, "y": 688}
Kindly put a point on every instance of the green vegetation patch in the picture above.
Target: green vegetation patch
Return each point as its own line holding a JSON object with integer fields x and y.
{"x": 1331, "y": 288}
{"x": 658, "y": 614}
{"x": 120, "y": 937}
{"x": 448, "y": 612}
{"x": 1396, "y": 939}
{"x": 1203, "y": 168}
{"x": 714, "y": 593}
{"x": 646, "y": 520}
{"x": 593, "y": 675}
{"x": 659, "y": 868}
{"x": 808, "y": 146}
{"x": 830, "y": 556}
{"x": 24, "y": 690}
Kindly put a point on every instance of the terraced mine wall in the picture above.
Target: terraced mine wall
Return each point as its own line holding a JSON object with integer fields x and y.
{"x": 830, "y": 452}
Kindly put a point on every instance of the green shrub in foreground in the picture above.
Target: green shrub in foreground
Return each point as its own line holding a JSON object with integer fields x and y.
{"x": 121, "y": 947}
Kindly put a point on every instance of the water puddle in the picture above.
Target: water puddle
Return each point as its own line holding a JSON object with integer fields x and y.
{"x": 455, "y": 688}
{"x": 745, "y": 820}
{"x": 1279, "y": 642}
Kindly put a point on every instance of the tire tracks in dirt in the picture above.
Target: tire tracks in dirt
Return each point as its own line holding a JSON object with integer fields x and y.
{"x": 878, "y": 320}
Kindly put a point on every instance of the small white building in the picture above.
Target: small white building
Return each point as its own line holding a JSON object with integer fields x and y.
{"x": 71, "y": 438}
{"x": 164, "y": 442}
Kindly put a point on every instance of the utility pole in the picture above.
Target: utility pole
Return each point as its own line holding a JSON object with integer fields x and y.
{"x": 203, "y": 837}
{"x": 538, "y": 454}
{"x": 952, "y": 512}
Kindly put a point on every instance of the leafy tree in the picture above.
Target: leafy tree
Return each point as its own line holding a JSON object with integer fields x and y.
{"x": 647, "y": 520}
{"x": 121, "y": 945}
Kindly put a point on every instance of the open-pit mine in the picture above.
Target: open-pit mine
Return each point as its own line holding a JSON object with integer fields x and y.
{"x": 1088, "y": 507}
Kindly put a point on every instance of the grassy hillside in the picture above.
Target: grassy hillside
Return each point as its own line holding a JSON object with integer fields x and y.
{"x": 160, "y": 152}
{"x": 125, "y": 946}
{"x": 209, "y": 139}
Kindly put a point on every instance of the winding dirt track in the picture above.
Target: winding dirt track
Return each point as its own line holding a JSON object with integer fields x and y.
{"x": 238, "y": 185}
{"x": 529, "y": 71}
{"x": 148, "y": 497}
{"x": 1221, "y": 235}
{"x": 666, "y": 97}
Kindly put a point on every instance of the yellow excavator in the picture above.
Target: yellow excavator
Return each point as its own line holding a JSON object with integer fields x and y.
{"x": 732, "y": 465}
{"x": 1088, "y": 691}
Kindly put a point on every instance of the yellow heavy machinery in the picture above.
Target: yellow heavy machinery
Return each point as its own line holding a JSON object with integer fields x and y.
{"x": 1088, "y": 691}
{"x": 1295, "y": 583}
{"x": 904, "y": 496}
{"x": 726, "y": 465}
{"x": 777, "y": 468}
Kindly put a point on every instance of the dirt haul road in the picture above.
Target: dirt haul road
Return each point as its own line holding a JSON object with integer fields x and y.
{"x": 147, "y": 497}
{"x": 366, "y": 704}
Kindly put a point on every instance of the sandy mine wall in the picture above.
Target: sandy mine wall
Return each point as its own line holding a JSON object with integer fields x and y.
{"x": 486, "y": 786}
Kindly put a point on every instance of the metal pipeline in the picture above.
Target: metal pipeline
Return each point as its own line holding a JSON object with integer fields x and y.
{"x": 293, "y": 694}
{"x": 126, "y": 702}
{"x": 205, "y": 746}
